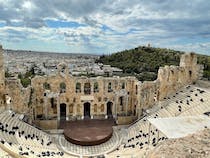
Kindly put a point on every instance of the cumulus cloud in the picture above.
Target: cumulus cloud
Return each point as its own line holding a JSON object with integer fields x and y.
{"x": 108, "y": 26}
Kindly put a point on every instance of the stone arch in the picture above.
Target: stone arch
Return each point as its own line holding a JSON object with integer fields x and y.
{"x": 96, "y": 87}
{"x": 190, "y": 73}
{"x": 123, "y": 85}
{"x": 62, "y": 67}
{"x": 53, "y": 105}
{"x": 134, "y": 110}
{"x": 121, "y": 101}
{"x": 62, "y": 87}
{"x": 78, "y": 87}
{"x": 46, "y": 86}
{"x": 109, "y": 87}
{"x": 87, "y": 88}
{"x": 136, "y": 89}
{"x": 52, "y": 102}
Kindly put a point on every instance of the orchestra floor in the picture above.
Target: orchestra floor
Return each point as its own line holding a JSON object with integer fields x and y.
{"x": 88, "y": 132}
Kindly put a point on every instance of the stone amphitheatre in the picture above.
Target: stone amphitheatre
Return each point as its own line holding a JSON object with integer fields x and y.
{"x": 78, "y": 117}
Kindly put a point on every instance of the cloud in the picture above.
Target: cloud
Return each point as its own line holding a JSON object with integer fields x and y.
{"x": 107, "y": 26}
{"x": 203, "y": 48}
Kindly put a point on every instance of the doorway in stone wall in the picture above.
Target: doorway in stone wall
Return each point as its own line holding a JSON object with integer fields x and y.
{"x": 63, "y": 111}
{"x": 86, "y": 110}
{"x": 109, "y": 109}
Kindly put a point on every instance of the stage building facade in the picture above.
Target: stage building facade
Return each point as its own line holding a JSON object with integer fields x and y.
{"x": 65, "y": 97}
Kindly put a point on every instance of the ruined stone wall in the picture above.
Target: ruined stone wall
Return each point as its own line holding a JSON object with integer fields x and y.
{"x": 126, "y": 95}
{"x": 2, "y": 81}
{"x": 148, "y": 92}
{"x": 171, "y": 78}
{"x": 20, "y": 97}
{"x": 74, "y": 99}
{"x": 12, "y": 94}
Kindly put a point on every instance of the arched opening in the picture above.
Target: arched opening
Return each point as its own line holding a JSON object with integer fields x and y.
{"x": 109, "y": 109}
{"x": 62, "y": 87}
{"x": 78, "y": 87}
{"x": 96, "y": 89}
{"x": 53, "y": 105}
{"x": 121, "y": 100}
{"x": 136, "y": 89}
{"x": 52, "y": 102}
{"x": 63, "y": 111}
{"x": 86, "y": 110}
{"x": 46, "y": 86}
{"x": 109, "y": 87}
{"x": 123, "y": 85}
{"x": 62, "y": 67}
{"x": 87, "y": 88}
{"x": 134, "y": 112}
{"x": 190, "y": 73}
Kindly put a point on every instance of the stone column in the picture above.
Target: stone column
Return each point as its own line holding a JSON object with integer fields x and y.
{"x": 45, "y": 107}
{"x": 91, "y": 108}
{"x": 105, "y": 109}
{"x": 139, "y": 112}
{"x": 115, "y": 105}
{"x": 82, "y": 110}
{"x": 34, "y": 114}
{"x": 67, "y": 112}
{"x": 126, "y": 105}
{"x": 82, "y": 88}
{"x": 75, "y": 109}
{"x": 58, "y": 107}
{"x": 91, "y": 88}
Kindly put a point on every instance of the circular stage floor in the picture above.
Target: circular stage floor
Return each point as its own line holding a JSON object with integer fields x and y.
{"x": 88, "y": 132}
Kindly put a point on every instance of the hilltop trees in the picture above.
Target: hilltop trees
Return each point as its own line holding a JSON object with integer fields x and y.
{"x": 144, "y": 62}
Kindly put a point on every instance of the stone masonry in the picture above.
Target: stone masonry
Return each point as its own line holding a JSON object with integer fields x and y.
{"x": 66, "y": 97}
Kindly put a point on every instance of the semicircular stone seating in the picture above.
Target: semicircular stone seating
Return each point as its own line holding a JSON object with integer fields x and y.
{"x": 142, "y": 136}
{"x": 137, "y": 140}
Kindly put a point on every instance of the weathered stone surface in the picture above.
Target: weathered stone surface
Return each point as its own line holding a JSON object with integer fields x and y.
{"x": 98, "y": 96}
{"x": 2, "y": 80}
{"x": 62, "y": 94}
{"x": 171, "y": 78}
{"x": 192, "y": 146}
{"x": 20, "y": 96}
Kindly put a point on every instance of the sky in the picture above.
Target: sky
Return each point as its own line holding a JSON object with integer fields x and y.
{"x": 104, "y": 26}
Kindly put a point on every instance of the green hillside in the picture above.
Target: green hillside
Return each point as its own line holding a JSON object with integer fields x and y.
{"x": 143, "y": 62}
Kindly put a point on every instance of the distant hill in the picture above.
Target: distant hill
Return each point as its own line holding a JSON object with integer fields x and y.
{"x": 144, "y": 62}
{"x": 54, "y": 54}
